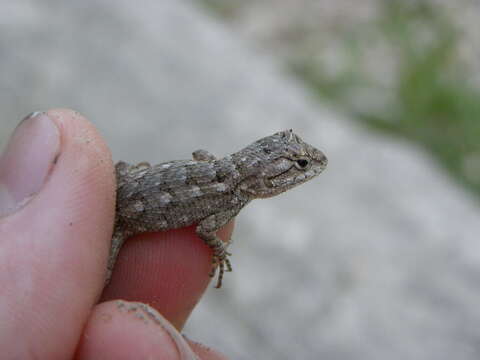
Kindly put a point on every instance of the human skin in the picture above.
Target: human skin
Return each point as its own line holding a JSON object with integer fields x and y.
{"x": 57, "y": 196}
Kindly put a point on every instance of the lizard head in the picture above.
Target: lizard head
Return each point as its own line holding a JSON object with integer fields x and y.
{"x": 279, "y": 162}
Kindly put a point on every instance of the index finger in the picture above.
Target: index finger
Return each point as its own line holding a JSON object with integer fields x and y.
{"x": 168, "y": 270}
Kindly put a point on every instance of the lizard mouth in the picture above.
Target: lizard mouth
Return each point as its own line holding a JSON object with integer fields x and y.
{"x": 270, "y": 181}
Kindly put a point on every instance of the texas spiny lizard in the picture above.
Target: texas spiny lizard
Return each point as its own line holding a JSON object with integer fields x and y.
{"x": 208, "y": 191}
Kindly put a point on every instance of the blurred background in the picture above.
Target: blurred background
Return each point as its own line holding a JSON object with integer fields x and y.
{"x": 378, "y": 258}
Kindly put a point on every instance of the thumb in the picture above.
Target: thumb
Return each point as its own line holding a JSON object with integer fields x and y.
{"x": 56, "y": 215}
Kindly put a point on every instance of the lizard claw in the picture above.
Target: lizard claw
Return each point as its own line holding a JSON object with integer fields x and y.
{"x": 223, "y": 264}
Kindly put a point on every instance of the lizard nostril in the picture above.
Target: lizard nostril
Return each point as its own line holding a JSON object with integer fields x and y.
{"x": 324, "y": 160}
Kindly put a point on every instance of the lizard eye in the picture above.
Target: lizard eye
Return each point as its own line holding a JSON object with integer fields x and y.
{"x": 301, "y": 164}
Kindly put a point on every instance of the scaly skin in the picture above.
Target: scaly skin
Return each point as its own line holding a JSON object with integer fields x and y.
{"x": 207, "y": 191}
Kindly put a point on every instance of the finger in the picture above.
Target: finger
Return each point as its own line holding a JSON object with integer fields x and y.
{"x": 57, "y": 202}
{"x": 128, "y": 330}
{"x": 168, "y": 270}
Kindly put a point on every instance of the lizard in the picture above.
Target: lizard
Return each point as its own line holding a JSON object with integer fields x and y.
{"x": 208, "y": 191}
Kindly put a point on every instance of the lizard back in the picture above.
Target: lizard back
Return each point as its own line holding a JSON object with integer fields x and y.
{"x": 171, "y": 195}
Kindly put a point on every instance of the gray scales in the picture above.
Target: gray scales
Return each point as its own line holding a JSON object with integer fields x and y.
{"x": 208, "y": 191}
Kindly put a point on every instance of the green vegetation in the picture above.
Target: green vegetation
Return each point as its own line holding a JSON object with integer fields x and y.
{"x": 430, "y": 99}
{"x": 224, "y": 8}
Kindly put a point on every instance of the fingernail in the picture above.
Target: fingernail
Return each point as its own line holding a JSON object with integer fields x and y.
{"x": 143, "y": 311}
{"x": 27, "y": 161}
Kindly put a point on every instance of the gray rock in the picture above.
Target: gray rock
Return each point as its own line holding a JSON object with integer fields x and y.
{"x": 378, "y": 258}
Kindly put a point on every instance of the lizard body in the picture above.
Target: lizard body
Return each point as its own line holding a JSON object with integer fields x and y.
{"x": 208, "y": 191}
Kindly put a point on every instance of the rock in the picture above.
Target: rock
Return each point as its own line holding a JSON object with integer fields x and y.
{"x": 378, "y": 258}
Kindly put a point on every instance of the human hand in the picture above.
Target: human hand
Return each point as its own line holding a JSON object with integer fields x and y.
{"x": 57, "y": 194}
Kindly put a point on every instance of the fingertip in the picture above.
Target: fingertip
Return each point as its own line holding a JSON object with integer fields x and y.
{"x": 131, "y": 330}
{"x": 85, "y": 148}
{"x": 168, "y": 270}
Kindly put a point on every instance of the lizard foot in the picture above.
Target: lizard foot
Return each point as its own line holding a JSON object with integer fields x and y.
{"x": 221, "y": 262}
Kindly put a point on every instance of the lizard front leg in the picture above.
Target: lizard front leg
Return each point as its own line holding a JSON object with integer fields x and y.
{"x": 206, "y": 230}
{"x": 118, "y": 238}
